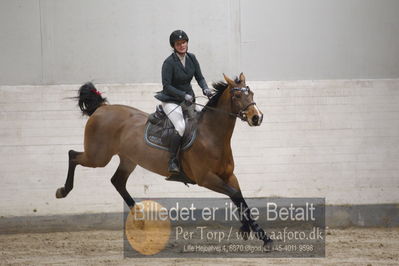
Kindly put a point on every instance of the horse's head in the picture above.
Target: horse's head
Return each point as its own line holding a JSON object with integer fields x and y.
{"x": 242, "y": 101}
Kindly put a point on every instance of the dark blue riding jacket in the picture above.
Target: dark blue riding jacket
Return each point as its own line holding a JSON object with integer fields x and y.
{"x": 176, "y": 79}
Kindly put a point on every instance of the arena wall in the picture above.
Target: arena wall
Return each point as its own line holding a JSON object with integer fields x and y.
{"x": 334, "y": 139}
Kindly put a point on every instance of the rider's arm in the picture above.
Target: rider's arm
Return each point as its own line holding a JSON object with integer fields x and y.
{"x": 167, "y": 74}
{"x": 198, "y": 74}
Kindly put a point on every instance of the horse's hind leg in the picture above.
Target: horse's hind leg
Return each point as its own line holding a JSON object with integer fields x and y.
{"x": 75, "y": 158}
{"x": 120, "y": 177}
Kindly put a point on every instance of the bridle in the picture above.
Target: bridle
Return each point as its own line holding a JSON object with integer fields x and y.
{"x": 241, "y": 113}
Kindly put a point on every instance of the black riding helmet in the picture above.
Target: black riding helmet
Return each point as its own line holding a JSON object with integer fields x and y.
{"x": 176, "y": 36}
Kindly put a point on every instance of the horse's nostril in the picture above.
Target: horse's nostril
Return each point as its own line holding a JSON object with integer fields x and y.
{"x": 255, "y": 119}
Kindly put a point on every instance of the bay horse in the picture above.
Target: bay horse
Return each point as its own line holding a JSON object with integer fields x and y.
{"x": 119, "y": 130}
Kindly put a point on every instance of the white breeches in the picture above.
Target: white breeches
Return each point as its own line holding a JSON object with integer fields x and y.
{"x": 175, "y": 115}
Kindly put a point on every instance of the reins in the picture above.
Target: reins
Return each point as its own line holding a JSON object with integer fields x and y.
{"x": 217, "y": 110}
{"x": 240, "y": 114}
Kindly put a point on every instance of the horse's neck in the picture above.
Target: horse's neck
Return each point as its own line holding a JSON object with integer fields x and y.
{"x": 220, "y": 124}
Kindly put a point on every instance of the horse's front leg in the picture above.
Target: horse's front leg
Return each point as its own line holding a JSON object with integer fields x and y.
{"x": 231, "y": 188}
{"x": 248, "y": 223}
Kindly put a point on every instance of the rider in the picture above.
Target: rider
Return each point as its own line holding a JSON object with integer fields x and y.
{"x": 177, "y": 72}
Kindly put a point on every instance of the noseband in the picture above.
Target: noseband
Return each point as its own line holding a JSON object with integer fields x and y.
{"x": 242, "y": 113}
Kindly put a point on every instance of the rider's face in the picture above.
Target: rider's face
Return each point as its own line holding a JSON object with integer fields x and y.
{"x": 181, "y": 46}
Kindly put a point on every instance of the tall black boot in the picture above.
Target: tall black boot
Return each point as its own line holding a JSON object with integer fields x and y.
{"x": 175, "y": 142}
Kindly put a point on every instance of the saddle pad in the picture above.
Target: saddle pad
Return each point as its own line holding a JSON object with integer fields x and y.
{"x": 153, "y": 136}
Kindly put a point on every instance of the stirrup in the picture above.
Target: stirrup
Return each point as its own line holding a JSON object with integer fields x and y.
{"x": 174, "y": 167}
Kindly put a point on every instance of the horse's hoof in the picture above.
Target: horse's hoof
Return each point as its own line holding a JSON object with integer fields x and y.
{"x": 60, "y": 193}
{"x": 267, "y": 241}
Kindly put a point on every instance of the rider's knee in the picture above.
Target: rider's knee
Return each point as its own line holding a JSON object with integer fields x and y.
{"x": 198, "y": 108}
{"x": 180, "y": 127}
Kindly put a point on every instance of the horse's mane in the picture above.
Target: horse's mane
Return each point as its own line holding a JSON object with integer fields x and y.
{"x": 219, "y": 87}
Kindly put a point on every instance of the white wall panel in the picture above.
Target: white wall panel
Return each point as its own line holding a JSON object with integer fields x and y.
{"x": 334, "y": 139}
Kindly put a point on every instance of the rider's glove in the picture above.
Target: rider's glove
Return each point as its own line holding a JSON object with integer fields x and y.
{"x": 207, "y": 92}
{"x": 189, "y": 99}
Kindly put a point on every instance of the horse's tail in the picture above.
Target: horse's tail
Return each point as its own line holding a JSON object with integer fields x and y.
{"x": 89, "y": 98}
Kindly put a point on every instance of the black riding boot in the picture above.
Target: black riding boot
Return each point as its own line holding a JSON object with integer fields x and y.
{"x": 175, "y": 142}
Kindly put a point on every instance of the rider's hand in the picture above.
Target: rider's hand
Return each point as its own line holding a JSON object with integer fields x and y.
{"x": 208, "y": 92}
{"x": 189, "y": 99}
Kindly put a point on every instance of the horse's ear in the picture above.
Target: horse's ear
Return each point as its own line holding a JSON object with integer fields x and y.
{"x": 242, "y": 77}
{"x": 228, "y": 80}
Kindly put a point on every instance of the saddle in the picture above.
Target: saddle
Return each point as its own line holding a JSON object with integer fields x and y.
{"x": 159, "y": 129}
